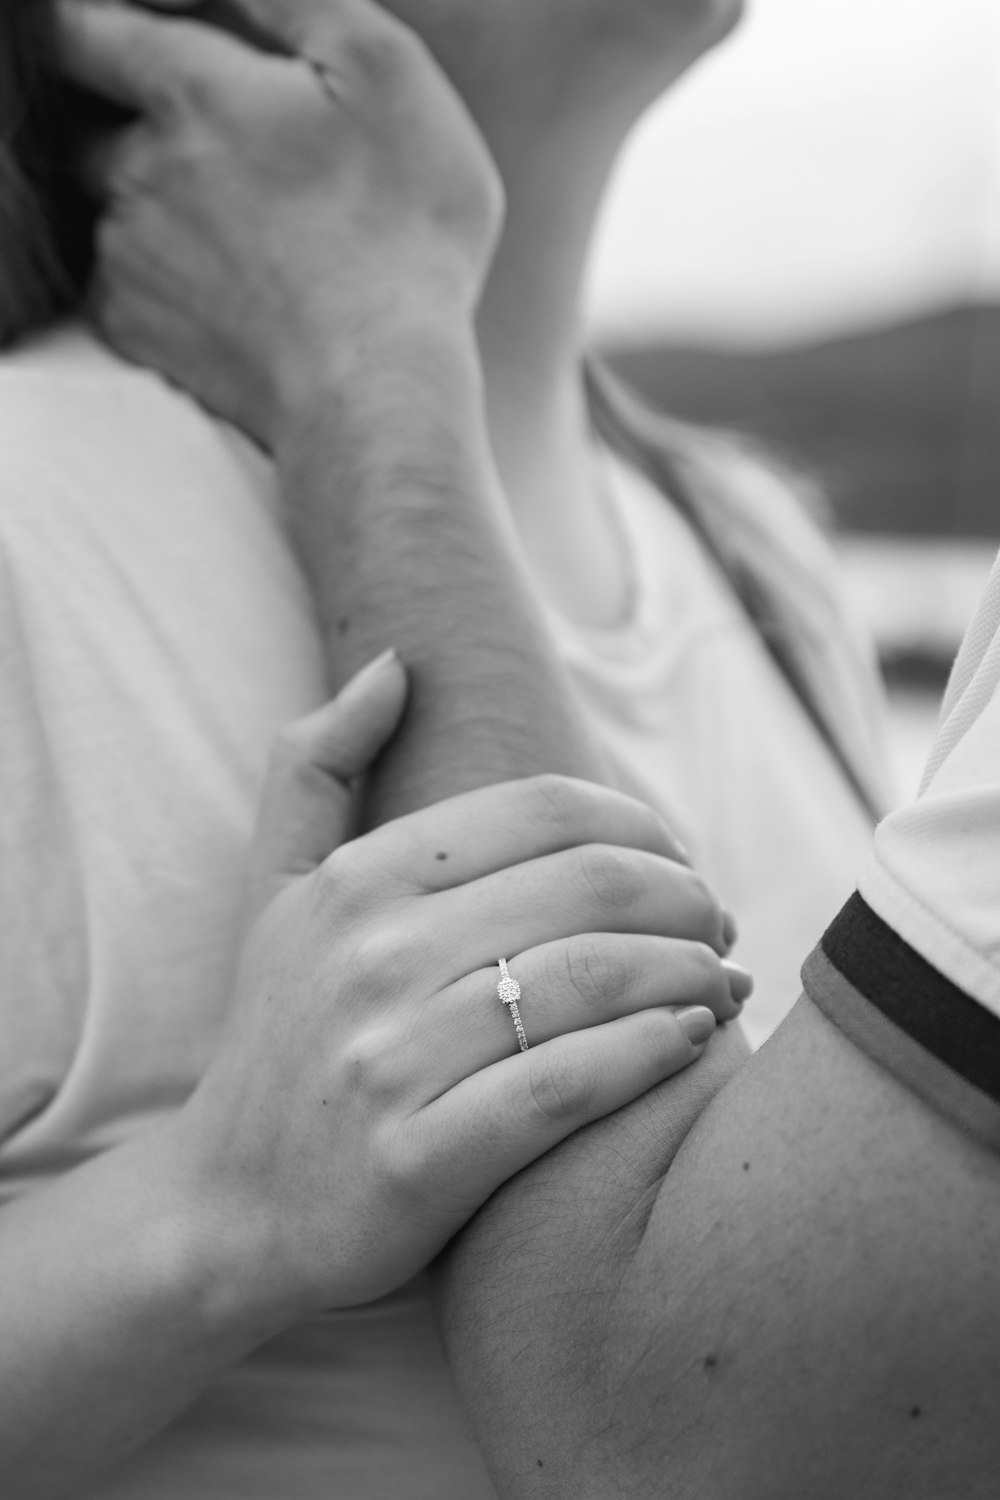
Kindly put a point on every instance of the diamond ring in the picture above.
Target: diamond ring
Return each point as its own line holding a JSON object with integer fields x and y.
{"x": 510, "y": 993}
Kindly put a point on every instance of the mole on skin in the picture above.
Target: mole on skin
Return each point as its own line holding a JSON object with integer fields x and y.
{"x": 440, "y": 856}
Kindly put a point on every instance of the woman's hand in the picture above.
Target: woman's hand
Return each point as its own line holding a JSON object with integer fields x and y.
{"x": 369, "y": 1093}
{"x": 277, "y": 220}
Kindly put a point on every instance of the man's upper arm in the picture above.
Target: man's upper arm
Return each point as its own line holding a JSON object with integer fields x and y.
{"x": 812, "y": 1309}
{"x": 815, "y": 1309}
{"x": 806, "y": 1300}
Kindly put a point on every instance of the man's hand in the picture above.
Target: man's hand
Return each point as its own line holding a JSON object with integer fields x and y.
{"x": 279, "y": 219}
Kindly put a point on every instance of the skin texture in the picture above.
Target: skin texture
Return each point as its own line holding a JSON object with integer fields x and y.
{"x": 640, "y": 1314}
{"x": 797, "y": 1297}
{"x": 536, "y": 62}
{"x": 205, "y": 1238}
{"x": 555, "y": 86}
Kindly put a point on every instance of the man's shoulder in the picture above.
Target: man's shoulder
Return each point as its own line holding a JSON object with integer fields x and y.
{"x": 934, "y": 876}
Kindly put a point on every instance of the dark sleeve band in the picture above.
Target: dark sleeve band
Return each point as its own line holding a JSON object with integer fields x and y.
{"x": 910, "y": 1018}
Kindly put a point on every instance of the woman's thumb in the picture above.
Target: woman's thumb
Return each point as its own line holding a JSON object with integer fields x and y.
{"x": 306, "y": 804}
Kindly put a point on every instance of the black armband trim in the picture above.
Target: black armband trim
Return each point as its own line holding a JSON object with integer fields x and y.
{"x": 909, "y": 1017}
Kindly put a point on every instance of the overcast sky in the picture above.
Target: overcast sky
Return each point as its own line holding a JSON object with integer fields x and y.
{"x": 835, "y": 164}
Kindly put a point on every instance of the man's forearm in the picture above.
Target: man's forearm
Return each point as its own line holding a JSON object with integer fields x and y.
{"x": 424, "y": 557}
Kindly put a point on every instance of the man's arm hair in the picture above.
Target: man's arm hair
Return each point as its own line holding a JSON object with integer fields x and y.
{"x": 799, "y": 1298}
{"x": 423, "y": 556}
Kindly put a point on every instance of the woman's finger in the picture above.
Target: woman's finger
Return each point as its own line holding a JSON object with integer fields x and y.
{"x": 476, "y": 834}
{"x": 591, "y": 888}
{"x": 570, "y": 986}
{"x": 493, "y": 1124}
{"x": 306, "y": 804}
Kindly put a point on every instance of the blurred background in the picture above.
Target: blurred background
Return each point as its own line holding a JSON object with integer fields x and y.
{"x": 804, "y": 243}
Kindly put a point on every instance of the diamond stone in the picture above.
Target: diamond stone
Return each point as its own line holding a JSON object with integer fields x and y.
{"x": 509, "y": 991}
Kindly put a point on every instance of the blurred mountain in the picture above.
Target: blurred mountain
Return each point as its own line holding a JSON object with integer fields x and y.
{"x": 901, "y": 424}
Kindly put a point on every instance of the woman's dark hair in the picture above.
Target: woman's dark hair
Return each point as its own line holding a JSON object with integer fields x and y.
{"x": 45, "y": 222}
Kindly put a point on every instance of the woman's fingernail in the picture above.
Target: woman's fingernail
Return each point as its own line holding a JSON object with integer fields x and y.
{"x": 740, "y": 980}
{"x": 366, "y": 673}
{"x": 698, "y": 1023}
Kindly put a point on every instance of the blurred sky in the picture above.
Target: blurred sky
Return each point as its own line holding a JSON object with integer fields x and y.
{"x": 836, "y": 164}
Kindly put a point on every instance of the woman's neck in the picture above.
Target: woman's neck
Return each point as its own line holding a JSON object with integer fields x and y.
{"x": 530, "y": 338}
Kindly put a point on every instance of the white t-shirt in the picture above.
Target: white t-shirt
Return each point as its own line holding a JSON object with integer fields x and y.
{"x": 155, "y": 632}
{"x": 910, "y": 969}
{"x": 699, "y": 723}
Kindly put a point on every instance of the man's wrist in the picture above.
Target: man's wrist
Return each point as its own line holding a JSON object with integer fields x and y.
{"x": 409, "y": 361}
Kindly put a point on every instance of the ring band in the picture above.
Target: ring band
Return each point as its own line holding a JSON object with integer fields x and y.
{"x": 510, "y": 993}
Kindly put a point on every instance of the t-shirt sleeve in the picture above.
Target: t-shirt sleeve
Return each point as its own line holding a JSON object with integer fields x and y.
{"x": 909, "y": 970}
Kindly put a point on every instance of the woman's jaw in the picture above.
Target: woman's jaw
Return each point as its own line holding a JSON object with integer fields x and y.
{"x": 555, "y": 86}
{"x": 541, "y": 61}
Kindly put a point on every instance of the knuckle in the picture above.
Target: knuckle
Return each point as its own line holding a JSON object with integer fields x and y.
{"x": 704, "y": 976}
{"x": 598, "y": 973}
{"x": 373, "y": 952}
{"x": 384, "y": 960}
{"x": 338, "y": 874}
{"x": 703, "y": 964}
{"x": 562, "y": 1087}
{"x": 559, "y": 800}
{"x": 367, "y": 1065}
{"x": 343, "y": 896}
{"x": 609, "y": 878}
{"x": 705, "y": 912}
